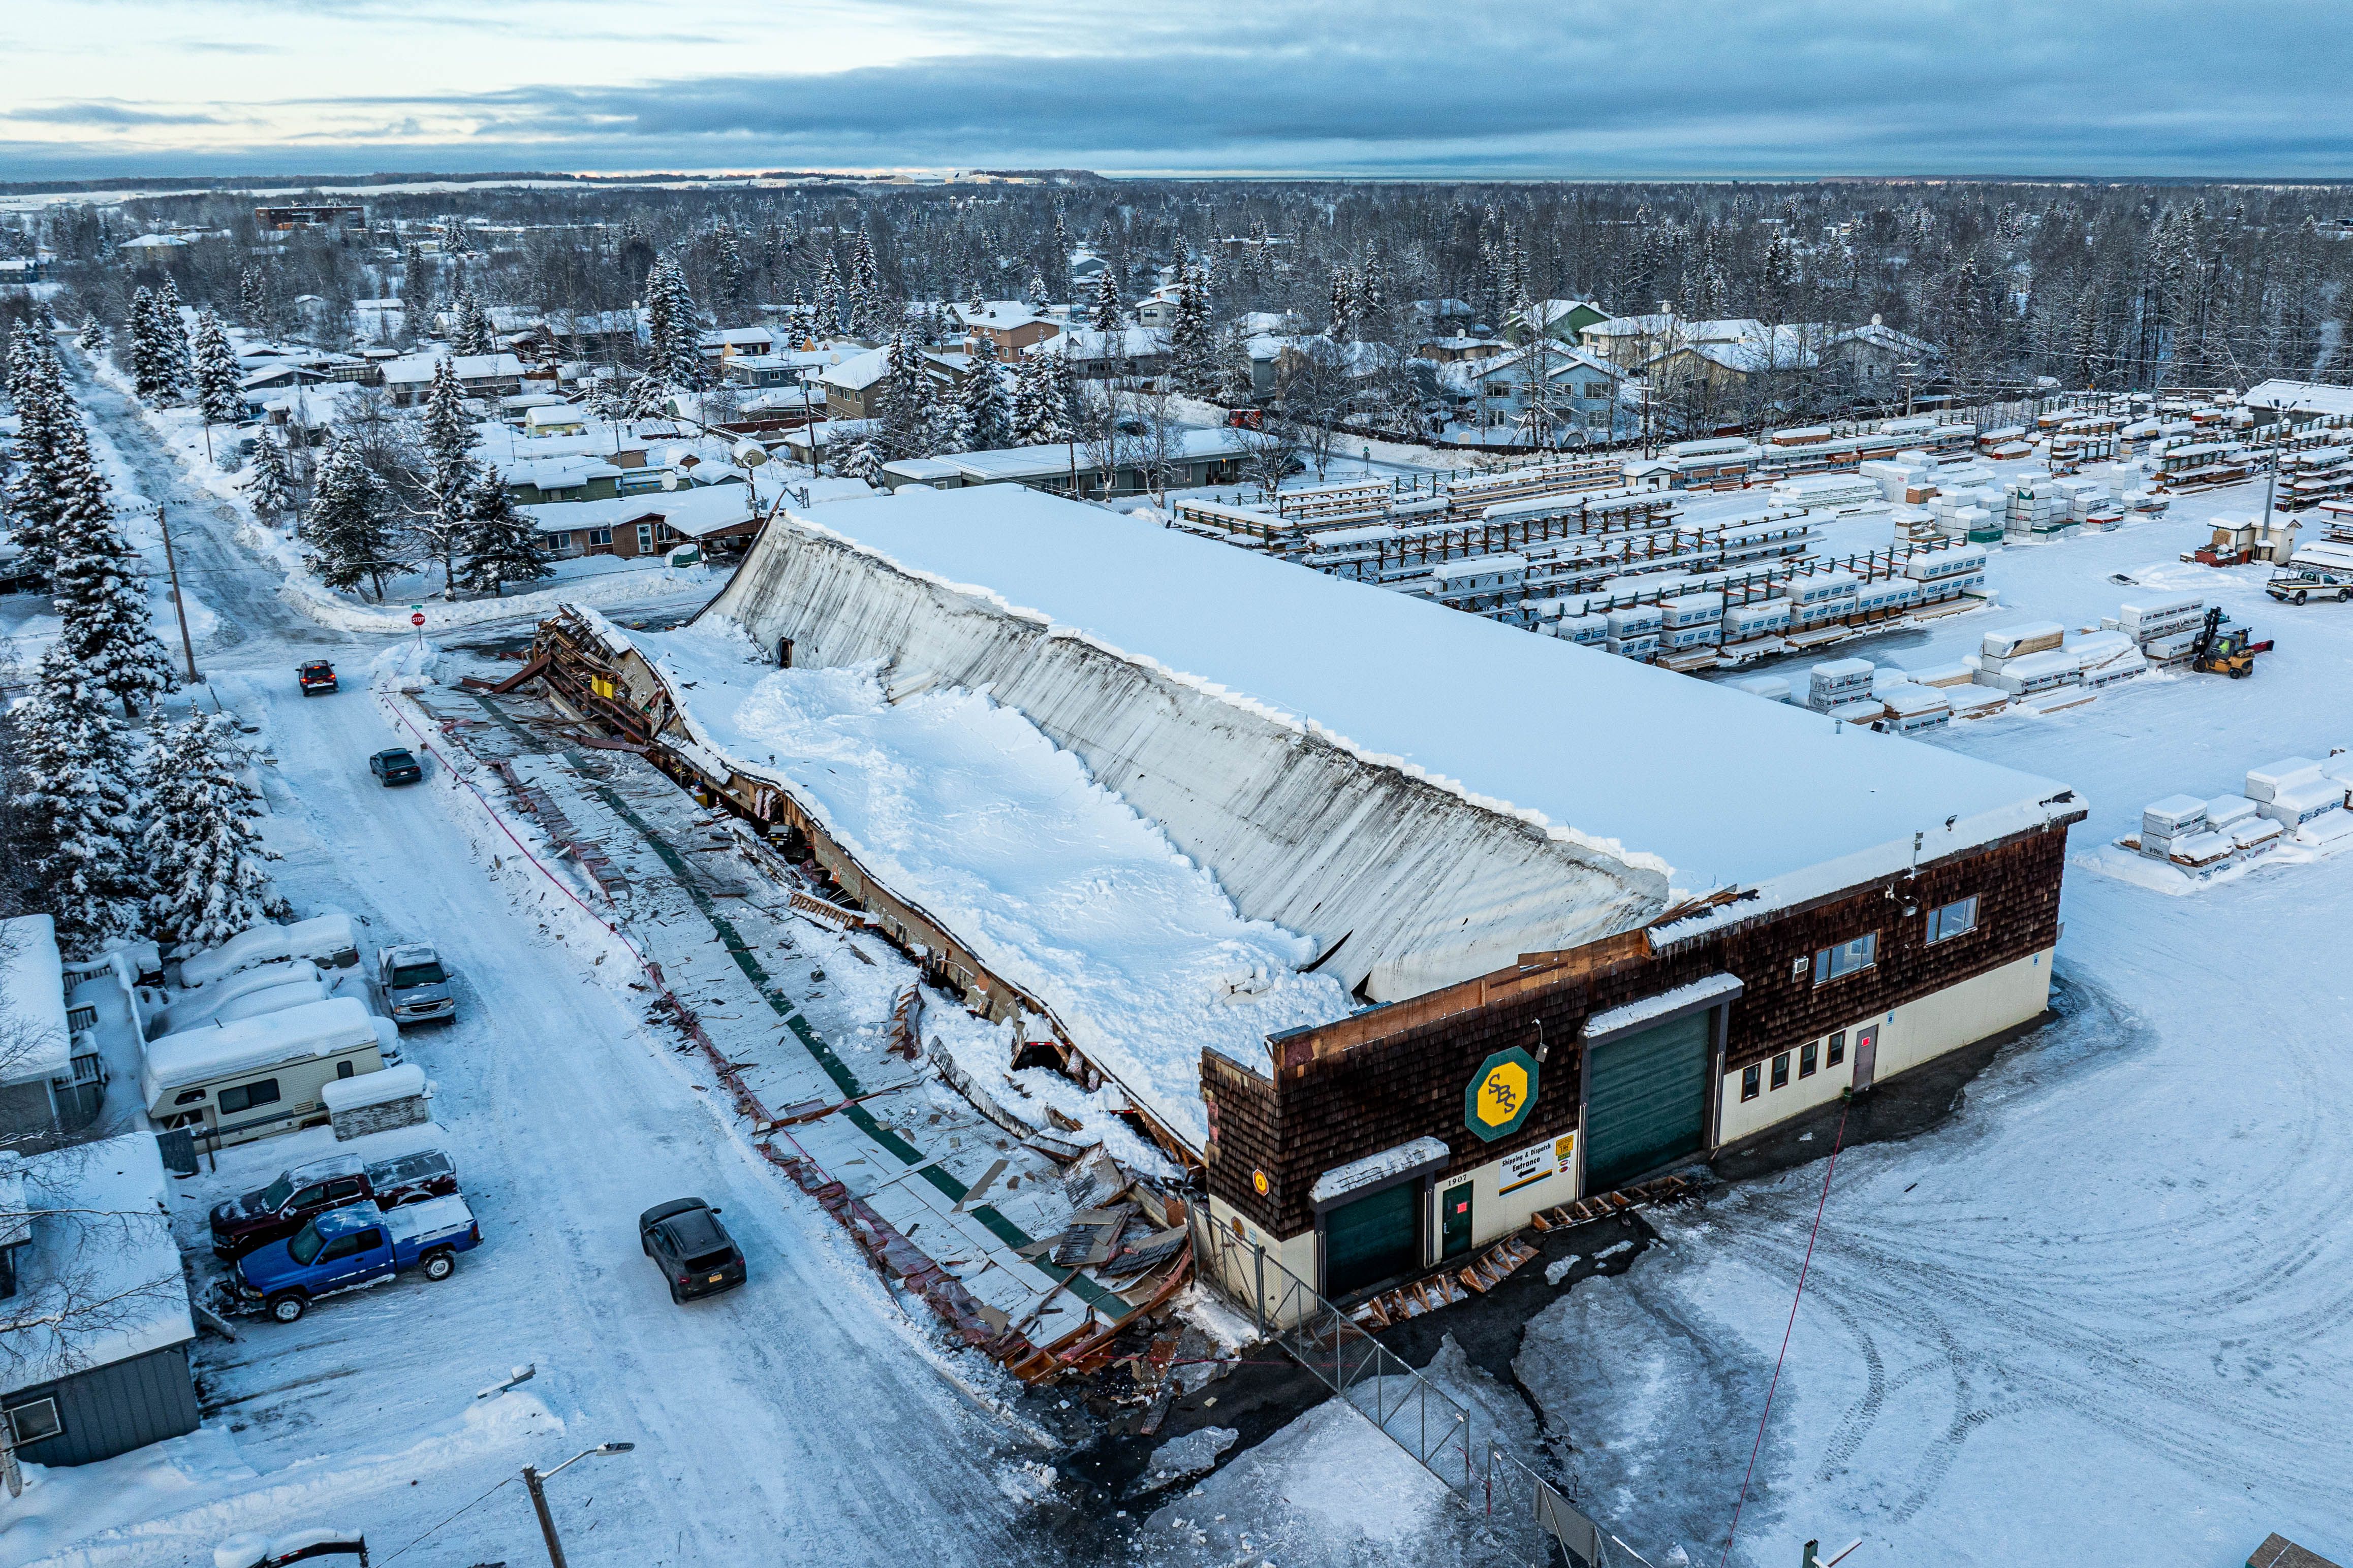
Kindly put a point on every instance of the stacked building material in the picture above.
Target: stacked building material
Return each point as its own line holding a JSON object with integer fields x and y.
{"x": 1634, "y": 632}
{"x": 2016, "y": 642}
{"x": 2294, "y": 792}
{"x": 1837, "y": 681}
{"x": 1912, "y": 708}
{"x": 1588, "y": 631}
{"x": 1944, "y": 573}
{"x": 1764, "y": 618}
{"x": 2029, "y": 673}
{"x": 2164, "y": 824}
{"x": 1691, "y": 620}
{"x": 1829, "y": 491}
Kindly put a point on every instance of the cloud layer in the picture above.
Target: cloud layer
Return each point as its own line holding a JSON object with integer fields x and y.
{"x": 1399, "y": 87}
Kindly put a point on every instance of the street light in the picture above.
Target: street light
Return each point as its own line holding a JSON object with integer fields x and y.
{"x": 533, "y": 1477}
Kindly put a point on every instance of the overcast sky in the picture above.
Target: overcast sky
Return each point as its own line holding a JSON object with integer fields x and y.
{"x": 1365, "y": 87}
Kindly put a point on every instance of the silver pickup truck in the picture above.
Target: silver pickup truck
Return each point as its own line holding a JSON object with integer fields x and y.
{"x": 416, "y": 987}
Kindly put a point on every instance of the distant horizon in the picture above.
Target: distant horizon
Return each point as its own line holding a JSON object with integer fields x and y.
{"x": 2109, "y": 91}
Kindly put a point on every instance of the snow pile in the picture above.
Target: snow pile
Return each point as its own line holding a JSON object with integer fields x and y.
{"x": 962, "y": 808}
{"x": 1181, "y": 1458}
{"x": 407, "y": 665}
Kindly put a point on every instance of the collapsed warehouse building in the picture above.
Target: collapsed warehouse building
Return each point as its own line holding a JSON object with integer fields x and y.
{"x": 1516, "y": 923}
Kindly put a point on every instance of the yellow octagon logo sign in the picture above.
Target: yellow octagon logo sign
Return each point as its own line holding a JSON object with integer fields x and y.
{"x": 1500, "y": 1097}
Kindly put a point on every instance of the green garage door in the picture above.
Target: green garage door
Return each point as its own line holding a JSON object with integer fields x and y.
{"x": 1646, "y": 1100}
{"x": 1373, "y": 1239}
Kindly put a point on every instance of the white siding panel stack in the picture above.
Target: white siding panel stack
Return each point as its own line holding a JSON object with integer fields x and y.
{"x": 1837, "y": 681}
{"x": 1763, "y": 618}
{"x": 2265, "y": 783}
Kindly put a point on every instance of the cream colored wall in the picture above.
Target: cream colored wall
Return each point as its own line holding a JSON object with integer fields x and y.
{"x": 1235, "y": 1259}
{"x": 1917, "y": 1032}
{"x": 1495, "y": 1213}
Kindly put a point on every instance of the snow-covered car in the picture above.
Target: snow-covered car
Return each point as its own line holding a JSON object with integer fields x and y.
{"x": 416, "y": 987}
{"x": 395, "y": 764}
{"x": 696, "y": 1255}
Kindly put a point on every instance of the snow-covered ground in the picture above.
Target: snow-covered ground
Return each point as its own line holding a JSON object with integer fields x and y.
{"x": 2106, "y": 1304}
{"x": 805, "y": 1417}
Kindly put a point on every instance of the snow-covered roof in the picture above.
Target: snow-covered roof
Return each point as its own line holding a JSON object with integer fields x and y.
{"x": 693, "y": 511}
{"x": 1187, "y": 445}
{"x": 737, "y": 337}
{"x": 559, "y": 473}
{"x": 2299, "y": 397}
{"x": 320, "y": 936}
{"x": 1001, "y": 314}
{"x": 1885, "y": 337}
{"x": 1616, "y": 1019}
{"x": 34, "y": 1044}
{"x": 1086, "y": 343}
{"x": 101, "y": 1234}
{"x": 413, "y": 369}
{"x": 220, "y": 1050}
{"x": 1406, "y": 1159}
{"x": 402, "y": 1082}
{"x": 1475, "y": 707}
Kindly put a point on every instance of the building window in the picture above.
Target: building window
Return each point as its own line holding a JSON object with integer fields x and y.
{"x": 600, "y": 536}
{"x": 246, "y": 1096}
{"x": 1781, "y": 1070}
{"x": 559, "y": 541}
{"x": 1806, "y": 1055}
{"x": 1837, "y": 1052}
{"x": 1952, "y": 920}
{"x": 32, "y": 1422}
{"x": 1749, "y": 1078}
{"x": 1846, "y": 958}
{"x": 645, "y": 539}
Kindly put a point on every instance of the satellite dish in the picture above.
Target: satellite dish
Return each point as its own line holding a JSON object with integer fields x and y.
{"x": 669, "y": 479}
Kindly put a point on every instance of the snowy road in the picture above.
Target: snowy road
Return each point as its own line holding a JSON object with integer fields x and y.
{"x": 800, "y": 1419}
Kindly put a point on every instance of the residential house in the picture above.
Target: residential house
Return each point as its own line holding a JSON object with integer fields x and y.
{"x": 853, "y": 387}
{"x": 1158, "y": 309}
{"x": 1730, "y": 367}
{"x": 408, "y": 378}
{"x": 1196, "y": 456}
{"x": 728, "y": 341}
{"x": 1459, "y": 347}
{"x": 1565, "y": 320}
{"x": 1094, "y": 355}
{"x": 311, "y": 215}
{"x": 1879, "y": 362}
{"x": 1003, "y": 329}
{"x": 1630, "y": 340}
{"x": 88, "y": 1268}
{"x": 555, "y": 418}
{"x": 52, "y": 1080}
{"x": 720, "y": 518}
{"x": 1584, "y": 389}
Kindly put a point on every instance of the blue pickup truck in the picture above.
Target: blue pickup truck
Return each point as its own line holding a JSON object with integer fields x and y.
{"x": 344, "y": 1248}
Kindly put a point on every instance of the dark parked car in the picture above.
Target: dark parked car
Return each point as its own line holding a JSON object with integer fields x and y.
{"x": 395, "y": 766}
{"x": 278, "y": 1210}
{"x": 697, "y": 1256}
{"x": 316, "y": 676}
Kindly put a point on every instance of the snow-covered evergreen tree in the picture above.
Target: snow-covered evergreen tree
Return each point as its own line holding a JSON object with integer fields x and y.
{"x": 471, "y": 332}
{"x": 43, "y": 405}
{"x": 1236, "y": 380}
{"x": 502, "y": 545}
{"x": 1104, "y": 316}
{"x": 203, "y": 856}
{"x": 91, "y": 339}
{"x": 146, "y": 353}
{"x": 674, "y": 326}
{"x": 349, "y": 530}
{"x": 253, "y": 299}
{"x": 906, "y": 410}
{"x": 448, "y": 438}
{"x": 829, "y": 298}
{"x": 1040, "y": 411}
{"x": 983, "y": 423}
{"x": 171, "y": 339}
{"x": 100, "y": 586}
{"x": 80, "y": 794}
{"x": 270, "y": 482}
{"x": 218, "y": 395}
{"x": 1192, "y": 354}
{"x": 415, "y": 286}
{"x": 863, "y": 462}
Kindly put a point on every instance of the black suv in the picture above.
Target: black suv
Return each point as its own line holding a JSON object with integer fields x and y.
{"x": 395, "y": 766}
{"x": 696, "y": 1255}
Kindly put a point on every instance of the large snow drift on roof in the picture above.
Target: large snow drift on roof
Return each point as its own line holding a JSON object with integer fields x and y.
{"x": 1405, "y": 881}
{"x": 1311, "y": 739}
{"x": 961, "y": 806}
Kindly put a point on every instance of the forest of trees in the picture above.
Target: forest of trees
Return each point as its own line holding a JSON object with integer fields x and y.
{"x": 2098, "y": 285}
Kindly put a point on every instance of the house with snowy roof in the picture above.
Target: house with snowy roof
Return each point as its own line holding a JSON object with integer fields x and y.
{"x": 853, "y": 387}
{"x": 408, "y": 378}
{"x": 721, "y": 518}
{"x": 1878, "y": 360}
{"x": 1095, "y": 355}
{"x": 1563, "y": 319}
{"x": 1003, "y": 329}
{"x": 98, "y": 1363}
{"x": 52, "y": 1081}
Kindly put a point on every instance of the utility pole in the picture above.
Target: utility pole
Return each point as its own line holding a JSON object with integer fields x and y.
{"x": 172, "y": 565}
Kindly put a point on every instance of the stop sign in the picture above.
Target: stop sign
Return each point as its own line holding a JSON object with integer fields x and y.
{"x": 417, "y": 619}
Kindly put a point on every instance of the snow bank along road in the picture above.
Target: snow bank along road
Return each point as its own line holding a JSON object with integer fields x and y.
{"x": 797, "y": 1420}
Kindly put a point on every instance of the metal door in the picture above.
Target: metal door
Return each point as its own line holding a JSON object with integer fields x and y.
{"x": 1454, "y": 1214}
{"x": 1646, "y": 1099}
{"x": 1866, "y": 1055}
{"x": 1373, "y": 1239}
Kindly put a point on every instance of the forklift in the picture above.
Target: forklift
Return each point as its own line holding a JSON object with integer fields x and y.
{"x": 2221, "y": 650}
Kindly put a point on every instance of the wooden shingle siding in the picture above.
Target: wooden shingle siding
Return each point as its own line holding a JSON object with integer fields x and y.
{"x": 1392, "y": 1074}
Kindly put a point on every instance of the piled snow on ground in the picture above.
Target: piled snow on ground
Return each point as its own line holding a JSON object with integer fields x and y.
{"x": 963, "y": 807}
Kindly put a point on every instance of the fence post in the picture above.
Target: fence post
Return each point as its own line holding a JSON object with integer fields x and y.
{"x": 1258, "y": 1297}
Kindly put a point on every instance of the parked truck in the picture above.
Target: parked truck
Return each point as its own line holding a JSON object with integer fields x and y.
{"x": 416, "y": 987}
{"x": 346, "y": 1249}
{"x": 279, "y": 1209}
